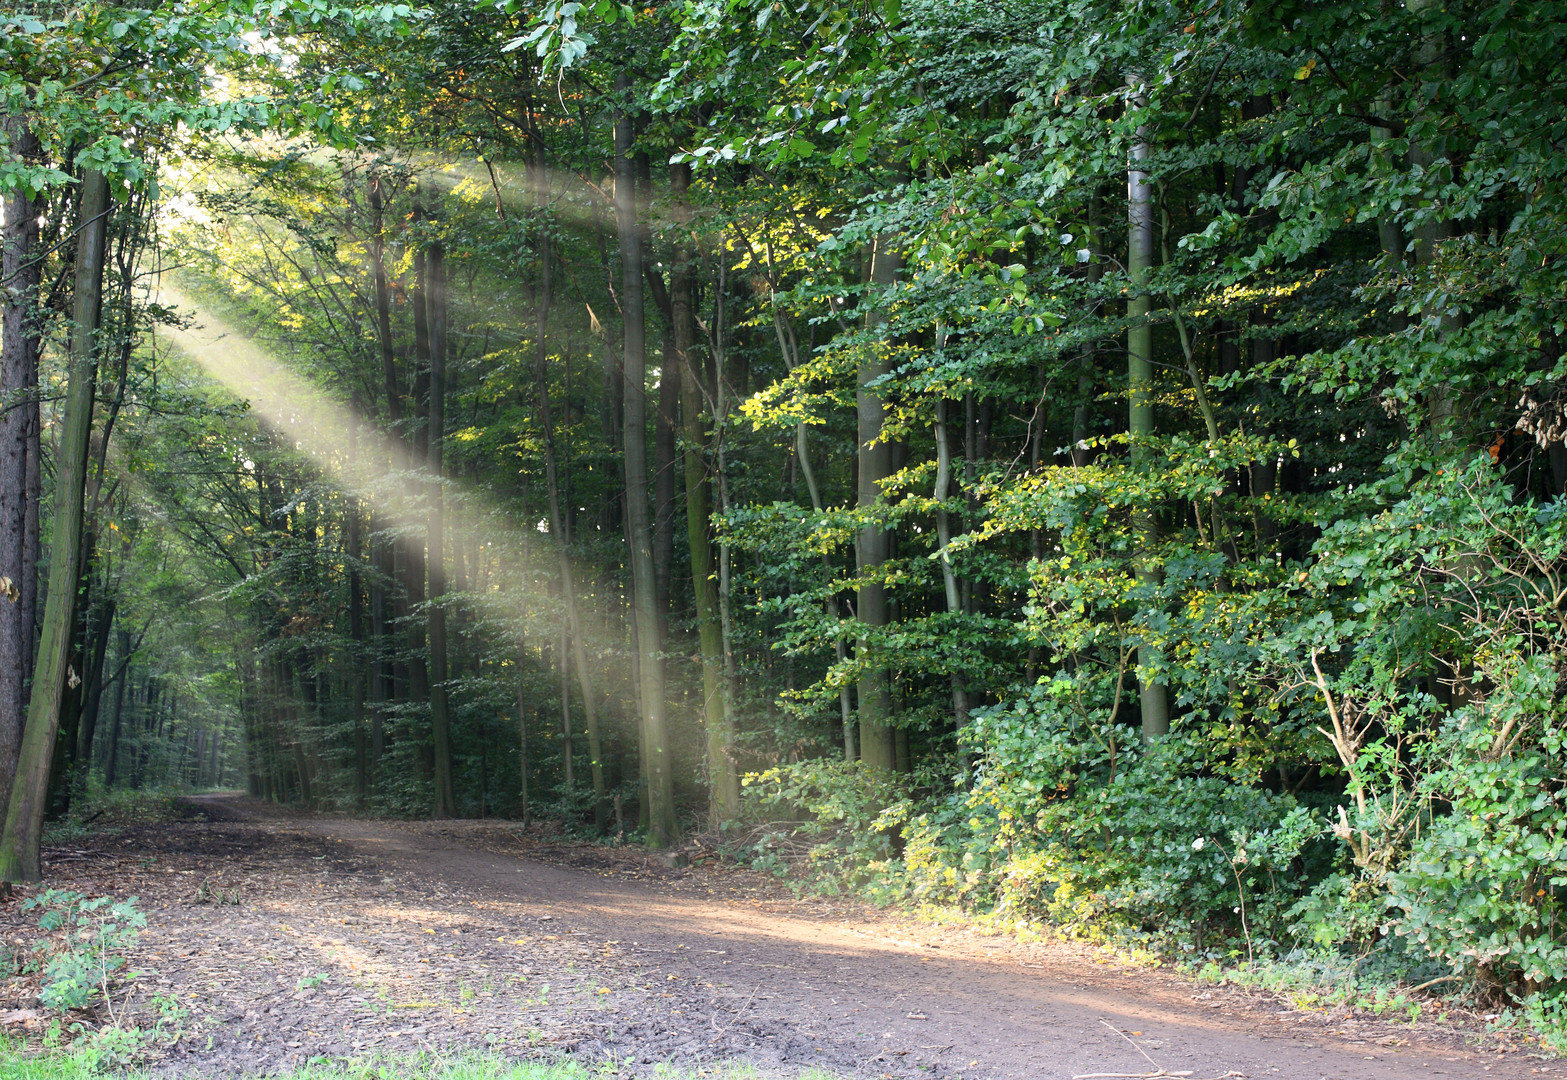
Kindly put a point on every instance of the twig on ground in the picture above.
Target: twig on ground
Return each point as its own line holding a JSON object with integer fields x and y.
{"x": 1158, "y": 1072}
{"x": 738, "y": 1013}
{"x": 1432, "y": 982}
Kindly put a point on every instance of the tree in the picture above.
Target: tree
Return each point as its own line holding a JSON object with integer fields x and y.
{"x": 662, "y": 828}
{"x": 30, "y": 788}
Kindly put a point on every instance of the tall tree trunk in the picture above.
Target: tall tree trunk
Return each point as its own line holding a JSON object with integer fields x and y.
{"x": 568, "y": 750}
{"x": 522, "y": 731}
{"x": 440, "y": 711}
{"x": 1152, "y": 692}
{"x": 29, "y": 790}
{"x": 93, "y": 681}
{"x": 411, "y": 547}
{"x": 878, "y": 744}
{"x": 560, "y": 535}
{"x": 1082, "y": 413}
{"x": 381, "y": 688}
{"x": 32, "y": 532}
{"x": 383, "y": 304}
{"x": 949, "y": 579}
{"x": 664, "y": 481}
{"x": 662, "y": 829}
{"x": 356, "y": 632}
{"x": 19, "y": 328}
{"x": 722, "y": 776}
{"x": 116, "y": 714}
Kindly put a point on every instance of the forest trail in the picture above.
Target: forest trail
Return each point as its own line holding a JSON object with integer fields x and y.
{"x": 347, "y": 936}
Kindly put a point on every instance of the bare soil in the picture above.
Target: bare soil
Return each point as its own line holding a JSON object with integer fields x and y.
{"x": 286, "y": 938}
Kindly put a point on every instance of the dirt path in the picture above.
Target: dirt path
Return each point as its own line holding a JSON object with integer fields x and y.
{"x": 351, "y": 937}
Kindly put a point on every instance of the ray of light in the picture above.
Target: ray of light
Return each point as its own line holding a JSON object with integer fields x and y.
{"x": 364, "y": 461}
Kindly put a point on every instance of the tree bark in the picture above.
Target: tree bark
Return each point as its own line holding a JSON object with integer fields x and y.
{"x": 412, "y": 548}
{"x": 383, "y": 304}
{"x": 19, "y": 330}
{"x": 522, "y": 732}
{"x": 29, "y": 790}
{"x": 662, "y": 830}
{"x": 93, "y": 680}
{"x": 949, "y": 579}
{"x": 1152, "y": 692}
{"x": 878, "y": 745}
{"x": 440, "y": 710}
{"x": 560, "y": 537}
{"x": 664, "y": 481}
{"x": 356, "y": 632}
{"x": 722, "y": 776}
{"x": 123, "y": 676}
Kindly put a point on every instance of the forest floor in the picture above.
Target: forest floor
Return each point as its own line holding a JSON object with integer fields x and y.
{"x": 287, "y": 938}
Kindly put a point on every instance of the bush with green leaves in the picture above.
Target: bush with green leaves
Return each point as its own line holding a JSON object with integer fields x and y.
{"x": 826, "y": 823}
{"x": 85, "y": 945}
{"x": 1052, "y": 830}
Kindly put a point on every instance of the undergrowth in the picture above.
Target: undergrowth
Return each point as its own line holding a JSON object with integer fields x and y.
{"x": 1226, "y": 882}
{"x": 99, "y": 810}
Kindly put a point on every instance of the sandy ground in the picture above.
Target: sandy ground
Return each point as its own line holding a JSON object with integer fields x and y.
{"x": 286, "y": 938}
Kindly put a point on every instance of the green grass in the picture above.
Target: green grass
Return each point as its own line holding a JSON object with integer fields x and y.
{"x": 89, "y": 1065}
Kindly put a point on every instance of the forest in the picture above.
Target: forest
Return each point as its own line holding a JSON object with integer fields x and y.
{"x": 1096, "y": 465}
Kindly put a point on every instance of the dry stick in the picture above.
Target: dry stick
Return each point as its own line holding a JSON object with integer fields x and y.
{"x": 108, "y": 999}
{"x": 1433, "y": 982}
{"x": 1155, "y": 1075}
{"x": 738, "y": 1013}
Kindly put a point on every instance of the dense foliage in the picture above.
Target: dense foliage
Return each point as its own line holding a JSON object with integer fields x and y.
{"x": 1101, "y": 464}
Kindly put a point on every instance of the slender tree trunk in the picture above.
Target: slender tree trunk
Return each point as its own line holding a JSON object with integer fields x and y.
{"x": 92, "y": 679}
{"x": 568, "y": 750}
{"x": 412, "y": 547}
{"x": 302, "y": 769}
{"x": 382, "y": 689}
{"x": 440, "y": 710}
{"x": 662, "y": 830}
{"x": 118, "y": 711}
{"x": 664, "y": 482}
{"x": 356, "y": 633}
{"x": 722, "y": 776}
{"x": 19, "y": 329}
{"x": 1152, "y": 691}
{"x": 380, "y": 669}
{"x": 522, "y": 731}
{"x": 32, "y": 532}
{"x": 29, "y": 790}
{"x": 560, "y": 531}
{"x": 1082, "y": 414}
{"x": 383, "y": 305}
{"x": 949, "y": 579}
{"x": 878, "y": 745}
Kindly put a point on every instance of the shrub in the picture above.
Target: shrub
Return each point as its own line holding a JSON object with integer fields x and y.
{"x": 85, "y": 945}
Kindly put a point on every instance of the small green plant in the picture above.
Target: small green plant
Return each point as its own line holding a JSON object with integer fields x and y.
{"x": 85, "y": 945}
{"x": 170, "y": 1011}
{"x": 310, "y": 982}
